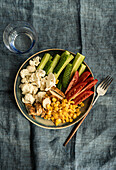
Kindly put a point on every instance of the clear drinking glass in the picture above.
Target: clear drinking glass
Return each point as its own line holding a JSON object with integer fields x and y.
{"x": 19, "y": 37}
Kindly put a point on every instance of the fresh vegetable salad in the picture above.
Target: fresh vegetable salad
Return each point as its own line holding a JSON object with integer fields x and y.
{"x": 55, "y": 87}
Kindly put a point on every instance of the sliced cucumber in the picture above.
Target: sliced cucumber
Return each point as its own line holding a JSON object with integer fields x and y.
{"x": 63, "y": 58}
{"x": 66, "y": 75}
{"x": 59, "y": 85}
{"x": 82, "y": 69}
{"x": 44, "y": 61}
{"x": 48, "y": 65}
{"x": 65, "y": 53}
{"x": 76, "y": 63}
{"x": 62, "y": 64}
{"x": 54, "y": 63}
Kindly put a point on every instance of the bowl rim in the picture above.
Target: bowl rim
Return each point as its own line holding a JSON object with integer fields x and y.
{"x": 15, "y": 96}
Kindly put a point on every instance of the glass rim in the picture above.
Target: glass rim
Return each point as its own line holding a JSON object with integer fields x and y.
{"x": 14, "y": 25}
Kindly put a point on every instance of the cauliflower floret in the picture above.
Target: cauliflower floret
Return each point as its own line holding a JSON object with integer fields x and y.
{"x": 32, "y": 77}
{"x": 35, "y": 61}
{"x": 31, "y": 69}
{"x": 43, "y": 84}
{"x": 24, "y": 73}
{"x": 40, "y": 73}
{"x": 24, "y": 80}
{"x": 35, "y": 80}
{"x": 28, "y": 88}
{"x": 50, "y": 82}
{"x": 35, "y": 89}
{"x": 28, "y": 98}
{"x": 40, "y": 96}
{"x": 25, "y": 88}
{"x": 38, "y": 82}
{"x": 34, "y": 83}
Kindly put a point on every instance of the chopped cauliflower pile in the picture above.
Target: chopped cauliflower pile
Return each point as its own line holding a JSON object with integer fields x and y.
{"x": 35, "y": 83}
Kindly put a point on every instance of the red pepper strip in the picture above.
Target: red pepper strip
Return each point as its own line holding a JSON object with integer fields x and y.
{"x": 84, "y": 76}
{"x": 89, "y": 80}
{"x": 88, "y": 87}
{"x": 75, "y": 90}
{"x": 82, "y": 97}
{"x": 73, "y": 82}
{"x": 91, "y": 84}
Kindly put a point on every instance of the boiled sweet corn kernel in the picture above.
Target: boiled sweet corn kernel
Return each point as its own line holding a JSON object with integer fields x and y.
{"x": 54, "y": 99}
{"x": 62, "y": 111}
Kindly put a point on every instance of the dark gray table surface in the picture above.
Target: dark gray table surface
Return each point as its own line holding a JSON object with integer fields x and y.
{"x": 81, "y": 26}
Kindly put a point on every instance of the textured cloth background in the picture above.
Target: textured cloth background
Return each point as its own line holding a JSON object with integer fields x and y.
{"x": 78, "y": 26}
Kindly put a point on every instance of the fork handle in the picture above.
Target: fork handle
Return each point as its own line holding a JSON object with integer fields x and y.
{"x": 95, "y": 99}
{"x": 78, "y": 125}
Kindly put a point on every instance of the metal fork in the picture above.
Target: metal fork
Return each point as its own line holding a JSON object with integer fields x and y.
{"x": 103, "y": 87}
{"x": 101, "y": 90}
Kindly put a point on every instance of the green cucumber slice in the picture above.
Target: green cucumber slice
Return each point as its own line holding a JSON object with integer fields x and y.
{"x": 64, "y": 61}
{"x": 59, "y": 85}
{"x": 44, "y": 61}
{"x": 82, "y": 69}
{"x": 65, "y": 53}
{"x": 63, "y": 58}
{"x": 76, "y": 63}
{"x": 48, "y": 65}
{"x": 66, "y": 75}
{"x": 54, "y": 63}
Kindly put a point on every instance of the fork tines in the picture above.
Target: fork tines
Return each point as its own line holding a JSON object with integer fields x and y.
{"x": 106, "y": 82}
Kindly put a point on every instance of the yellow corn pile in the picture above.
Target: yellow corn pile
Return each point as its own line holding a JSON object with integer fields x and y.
{"x": 62, "y": 111}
